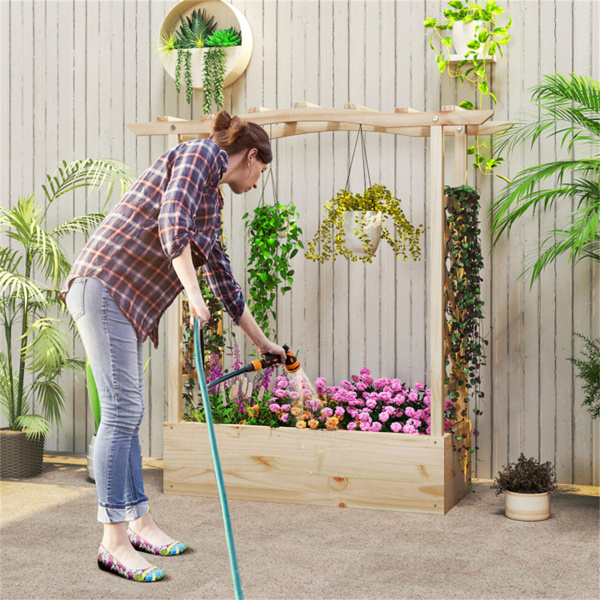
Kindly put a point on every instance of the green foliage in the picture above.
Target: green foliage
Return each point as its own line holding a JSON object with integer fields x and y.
{"x": 464, "y": 317}
{"x": 274, "y": 239}
{"x": 224, "y": 38}
{"x": 526, "y": 476}
{"x": 195, "y": 30}
{"x": 377, "y": 198}
{"x": 213, "y": 77}
{"x": 488, "y": 40}
{"x": 569, "y": 110}
{"x": 31, "y": 271}
{"x": 589, "y": 371}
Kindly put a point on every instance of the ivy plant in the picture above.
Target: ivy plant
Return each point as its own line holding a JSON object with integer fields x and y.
{"x": 274, "y": 239}
{"x": 330, "y": 235}
{"x": 464, "y": 316}
{"x": 488, "y": 39}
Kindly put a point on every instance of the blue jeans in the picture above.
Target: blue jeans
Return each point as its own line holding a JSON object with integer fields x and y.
{"x": 116, "y": 358}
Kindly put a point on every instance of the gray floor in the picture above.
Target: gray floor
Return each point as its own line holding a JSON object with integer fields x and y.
{"x": 49, "y": 538}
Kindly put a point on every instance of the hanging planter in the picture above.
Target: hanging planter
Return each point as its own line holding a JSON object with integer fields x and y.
{"x": 362, "y": 231}
{"x": 228, "y": 30}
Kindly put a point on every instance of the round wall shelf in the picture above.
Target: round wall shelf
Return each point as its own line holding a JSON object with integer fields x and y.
{"x": 226, "y": 15}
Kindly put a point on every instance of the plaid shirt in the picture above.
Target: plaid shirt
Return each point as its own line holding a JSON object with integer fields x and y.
{"x": 175, "y": 202}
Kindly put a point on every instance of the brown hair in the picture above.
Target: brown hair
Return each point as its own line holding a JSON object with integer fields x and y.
{"x": 233, "y": 135}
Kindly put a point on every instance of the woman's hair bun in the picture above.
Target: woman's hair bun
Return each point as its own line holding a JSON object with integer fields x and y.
{"x": 232, "y": 126}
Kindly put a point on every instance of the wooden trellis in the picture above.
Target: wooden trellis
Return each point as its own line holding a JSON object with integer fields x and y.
{"x": 307, "y": 118}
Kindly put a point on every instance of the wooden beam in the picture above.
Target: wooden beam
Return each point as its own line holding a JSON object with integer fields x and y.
{"x": 460, "y": 156}
{"x": 350, "y": 106}
{"x": 405, "y": 109}
{"x": 257, "y": 109}
{"x": 436, "y": 281}
{"x": 306, "y": 105}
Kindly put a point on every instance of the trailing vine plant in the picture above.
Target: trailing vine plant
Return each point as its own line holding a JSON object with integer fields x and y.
{"x": 274, "y": 239}
{"x": 213, "y": 77}
{"x": 466, "y": 344}
{"x": 329, "y": 241}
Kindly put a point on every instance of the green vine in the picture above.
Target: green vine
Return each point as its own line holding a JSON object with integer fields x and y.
{"x": 377, "y": 198}
{"x": 212, "y": 78}
{"x": 466, "y": 345}
{"x": 274, "y": 239}
{"x": 189, "y": 86}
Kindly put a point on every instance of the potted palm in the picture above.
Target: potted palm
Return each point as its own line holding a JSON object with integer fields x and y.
{"x": 527, "y": 485}
{"x": 354, "y": 223}
{"x": 37, "y": 345}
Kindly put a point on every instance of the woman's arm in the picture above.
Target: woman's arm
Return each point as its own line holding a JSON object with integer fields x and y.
{"x": 184, "y": 267}
{"x": 249, "y": 326}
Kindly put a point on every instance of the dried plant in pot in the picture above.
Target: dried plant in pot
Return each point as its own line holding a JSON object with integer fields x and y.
{"x": 527, "y": 485}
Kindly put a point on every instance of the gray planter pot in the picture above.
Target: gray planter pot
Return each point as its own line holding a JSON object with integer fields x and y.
{"x": 20, "y": 457}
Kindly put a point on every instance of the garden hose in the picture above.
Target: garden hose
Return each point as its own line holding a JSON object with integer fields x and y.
{"x": 235, "y": 574}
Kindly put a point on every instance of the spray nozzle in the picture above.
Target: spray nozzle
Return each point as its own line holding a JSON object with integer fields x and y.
{"x": 269, "y": 360}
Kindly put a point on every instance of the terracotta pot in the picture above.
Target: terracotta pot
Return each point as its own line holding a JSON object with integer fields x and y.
{"x": 372, "y": 229}
{"x": 527, "y": 507}
{"x": 20, "y": 457}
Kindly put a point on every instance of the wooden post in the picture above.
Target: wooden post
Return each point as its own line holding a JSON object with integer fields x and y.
{"x": 460, "y": 156}
{"x": 436, "y": 281}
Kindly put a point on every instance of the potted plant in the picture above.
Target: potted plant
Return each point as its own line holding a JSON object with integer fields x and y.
{"x": 589, "y": 372}
{"x": 37, "y": 345}
{"x": 339, "y": 225}
{"x": 527, "y": 485}
{"x": 476, "y": 38}
{"x": 274, "y": 239}
{"x": 208, "y": 58}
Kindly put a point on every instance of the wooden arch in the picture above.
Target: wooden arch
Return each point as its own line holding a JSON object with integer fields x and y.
{"x": 305, "y": 118}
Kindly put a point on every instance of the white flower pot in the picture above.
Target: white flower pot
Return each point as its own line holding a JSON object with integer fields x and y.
{"x": 226, "y": 15}
{"x": 372, "y": 229}
{"x": 461, "y": 35}
{"x": 527, "y": 507}
{"x": 90, "y": 458}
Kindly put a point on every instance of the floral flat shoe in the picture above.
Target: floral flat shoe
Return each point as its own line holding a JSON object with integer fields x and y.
{"x": 107, "y": 562}
{"x": 139, "y": 543}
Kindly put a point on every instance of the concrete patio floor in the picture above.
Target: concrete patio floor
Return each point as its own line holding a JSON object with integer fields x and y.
{"x": 49, "y": 537}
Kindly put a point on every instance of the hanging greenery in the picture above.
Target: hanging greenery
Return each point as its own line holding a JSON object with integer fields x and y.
{"x": 466, "y": 344}
{"x": 213, "y": 77}
{"x": 329, "y": 241}
{"x": 274, "y": 239}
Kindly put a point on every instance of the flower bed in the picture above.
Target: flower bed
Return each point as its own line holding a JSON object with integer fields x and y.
{"x": 354, "y": 445}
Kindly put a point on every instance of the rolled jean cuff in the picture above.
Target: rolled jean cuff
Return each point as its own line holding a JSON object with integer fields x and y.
{"x": 107, "y": 514}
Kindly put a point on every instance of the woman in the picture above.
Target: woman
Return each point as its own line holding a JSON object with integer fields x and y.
{"x": 143, "y": 254}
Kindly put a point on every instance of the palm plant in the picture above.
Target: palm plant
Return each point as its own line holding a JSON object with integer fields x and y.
{"x": 32, "y": 266}
{"x": 569, "y": 110}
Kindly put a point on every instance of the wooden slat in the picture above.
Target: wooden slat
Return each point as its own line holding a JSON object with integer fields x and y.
{"x": 174, "y": 375}
{"x": 405, "y": 109}
{"x": 351, "y": 106}
{"x": 257, "y": 109}
{"x": 306, "y": 105}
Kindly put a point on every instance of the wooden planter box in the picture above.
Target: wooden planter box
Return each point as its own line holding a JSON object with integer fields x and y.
{"x": 357, "y": 469}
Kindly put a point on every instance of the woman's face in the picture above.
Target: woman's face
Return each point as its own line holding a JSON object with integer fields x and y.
{"x": 248, "y": 173}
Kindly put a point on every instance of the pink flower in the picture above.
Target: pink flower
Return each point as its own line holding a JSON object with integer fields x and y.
{"x": 284, "y": 417}
{"x": 390, "y": 409}
{"x": 371, "y": 403}
{"x": 396, "y": 427}
{"x": 355, "y": 378}
{"x": 346, "y": 384}
{"x": 385, "y": 396}
{"x": 365, "y": 417}
{"x": 320, "y": 385}
{"x": 448, "y": 404}
{"x": 286, "y": 407}
{"x": 364, "y": 371}
{"x": 410, "y": 411}
{"x": 339, "y": 411}
{"x": 275, "y": 407}
{"x": 413, "y": 396}
{"x": 280, "y": 393}
{"x": 360, "y": 386}
{"x": 419, "y": 387}
{"x": 327, "y": 412}
{"x": 282, "y": 382}
{"x": 365, "y": 426}
{"x": 367, "y": 380}
{"x": 351, "y": 425}
{"x": 384, "y": 416}
{"x": 376, "y": 426}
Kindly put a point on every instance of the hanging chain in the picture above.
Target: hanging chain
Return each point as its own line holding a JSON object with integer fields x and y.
{"x": 366, "y": 172}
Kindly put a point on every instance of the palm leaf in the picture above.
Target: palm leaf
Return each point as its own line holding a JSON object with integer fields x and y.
{"x": 36, "y": 426}
{"x": 83, "y": 224}
{"x": 48, "y": 349}
{"x": 18, "y": 286}
{"x": 51, "y": 397}
{"x": 93, "y": 173}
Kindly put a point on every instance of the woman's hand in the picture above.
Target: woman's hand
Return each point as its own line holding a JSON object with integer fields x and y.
{"x": 198, "y": 309}
{"x": 272, "y": 348}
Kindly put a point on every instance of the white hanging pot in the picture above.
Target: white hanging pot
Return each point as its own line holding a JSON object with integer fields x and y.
{"x": 226, "y": 15}
{"x": 461, "y": 35}
{"x": 527, "y": 507}
{"x": 372, "y": 228}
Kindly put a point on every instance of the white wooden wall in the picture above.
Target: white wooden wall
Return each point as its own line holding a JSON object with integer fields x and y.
{"x": 75, "y": 72}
